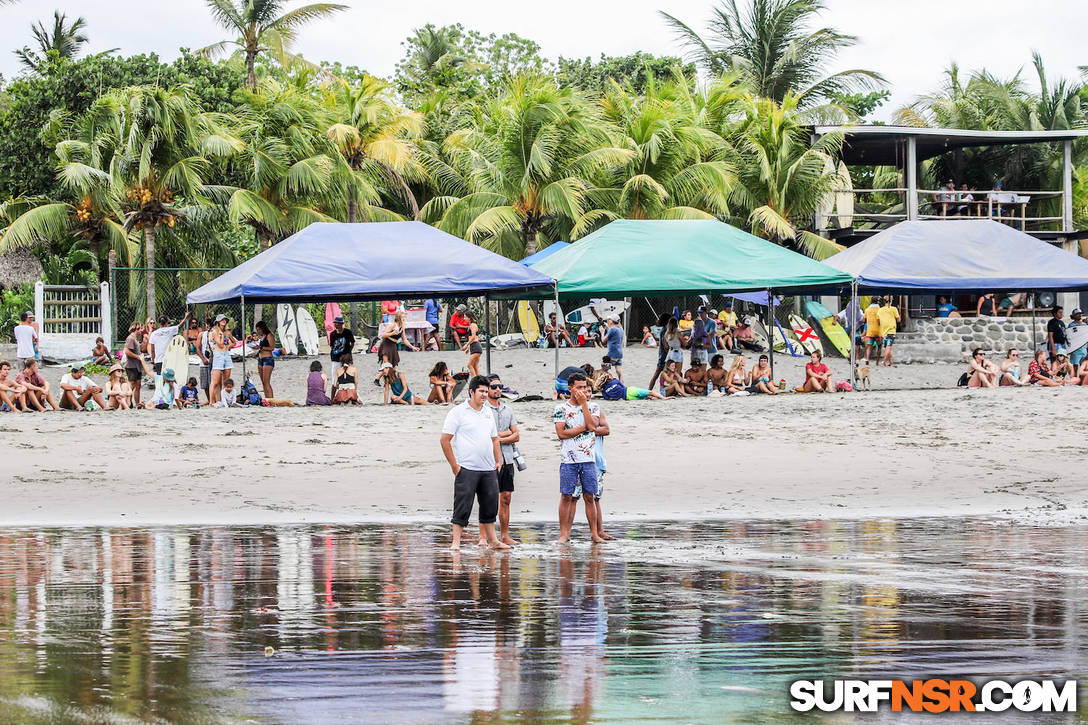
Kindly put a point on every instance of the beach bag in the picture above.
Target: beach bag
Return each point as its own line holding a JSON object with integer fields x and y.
{"x": 248, "y": 395}
{"x": 962, "y": 383}
{"x": 844, "y": 386}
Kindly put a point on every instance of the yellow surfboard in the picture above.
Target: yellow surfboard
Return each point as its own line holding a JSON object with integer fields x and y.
{"x": 530, "y": 328}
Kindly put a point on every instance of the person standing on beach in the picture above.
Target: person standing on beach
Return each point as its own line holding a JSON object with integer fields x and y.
{"x": 507, "y": 426}
{"x": 889, "y": 318}
{"x": 26, "y": 336}
{"x": 204, "y": 352}
{"x": 576, "y": 423}
{"x": 470, "y": 442}
{"x": 340, "y": 341}
{"x": 160, "y": 339}
{"x": 613, "y": 338}
{"x": 222, "y": 341}
{"x": 431, "y": 309}
{"x": 1055, "y": 334}
{"x": 872, "y": 329}
{"x": 135, "y": 365}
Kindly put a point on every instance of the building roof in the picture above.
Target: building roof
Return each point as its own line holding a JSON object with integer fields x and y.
{"x": 886, "y": 145}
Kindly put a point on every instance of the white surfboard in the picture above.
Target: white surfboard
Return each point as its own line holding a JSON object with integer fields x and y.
{"x": 826, "y": 205}
{"x": 307, "y": 330}
{"x": 508, "y": 341}
{"x": 806, "y": 335}
{"x": 287, "y": 328}
{"x": 177, "y": 358}
{"x": 1077, "y": 337}
{"x": 604, "y": 310}
{"x": 548, "y": 307}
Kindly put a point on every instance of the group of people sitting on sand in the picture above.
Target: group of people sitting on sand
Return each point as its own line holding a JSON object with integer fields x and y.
{"x": 985, "y": 373}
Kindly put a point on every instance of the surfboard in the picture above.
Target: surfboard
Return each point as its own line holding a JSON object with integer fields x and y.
{"x": 604, "y": 310}
{"x": 332, "y": 311}
{"x": 287, "y": 328}
{"x": 829, "y": 324}
{"x": 307, "y": 330}
{"x": 844, "y": 199}
{"x": 806, "y": 335}
{"x": 760, "y": 331}
{"x": 509, "y": 340}
{"x": 177, "y": 358}
{"x": 1077, "y": 336}
{"x": 530, "y": 328}
{"x": 548, "y": 307}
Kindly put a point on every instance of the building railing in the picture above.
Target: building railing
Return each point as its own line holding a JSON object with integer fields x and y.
{"x": 880, "y": 207}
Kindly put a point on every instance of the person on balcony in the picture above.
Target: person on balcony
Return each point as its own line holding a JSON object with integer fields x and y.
{"x": 966, "y": 200}
{"x": 1000, "y": 202}
{"x": 945, "y": 198}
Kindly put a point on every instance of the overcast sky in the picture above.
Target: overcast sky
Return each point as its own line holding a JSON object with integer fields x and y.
{"x": 909, "y": 42}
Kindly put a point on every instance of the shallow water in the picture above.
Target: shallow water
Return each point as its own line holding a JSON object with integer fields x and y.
{"x": 674, "y": 623}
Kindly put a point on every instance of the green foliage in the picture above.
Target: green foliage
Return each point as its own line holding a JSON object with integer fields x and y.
{"x": 632, "y": 73}
{"x": 463, "y": 63}
{"x": 861, "y": 105}
{"x": 27, "y": 163}
{"x": 14, "y": 302}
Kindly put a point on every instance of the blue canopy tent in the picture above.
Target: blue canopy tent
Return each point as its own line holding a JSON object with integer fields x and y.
{"x": 958, "y": 255}
{"x": 334, "y": 262}
{"x": 544, "y": 253}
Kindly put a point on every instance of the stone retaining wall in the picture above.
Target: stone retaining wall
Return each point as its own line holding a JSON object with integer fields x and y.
{"x": 991, "y": 334}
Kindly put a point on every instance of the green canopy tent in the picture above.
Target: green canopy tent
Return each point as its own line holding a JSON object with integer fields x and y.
{"x": 651, "y": 258}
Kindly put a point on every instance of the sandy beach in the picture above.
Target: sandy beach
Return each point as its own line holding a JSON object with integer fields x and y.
{"x": 914, "y": 446}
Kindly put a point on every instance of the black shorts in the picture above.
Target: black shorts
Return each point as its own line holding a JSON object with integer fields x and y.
{"x": 134, "y": 374}
{"x": 483, "y": 485}
{"x": 157, "y": 367}
{"x": 506, "y": 477}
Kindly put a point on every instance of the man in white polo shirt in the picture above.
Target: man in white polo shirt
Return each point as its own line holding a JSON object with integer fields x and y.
{"x": 470, "y": 442}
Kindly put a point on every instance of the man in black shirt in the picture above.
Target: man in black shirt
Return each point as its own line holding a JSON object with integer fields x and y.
{"x": 1055, "y": 333}
{"x": 340, "y": 341}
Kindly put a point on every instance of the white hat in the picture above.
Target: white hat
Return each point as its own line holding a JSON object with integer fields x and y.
{"x": 385, "y": 365}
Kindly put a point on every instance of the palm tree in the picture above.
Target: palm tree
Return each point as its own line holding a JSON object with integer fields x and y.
{"x": 772, "y": 49}
{"x": 373, "y": 137}
{"x": 155, "y": 149}
{"x": 283, "y": 164}
{"x": 782, "y": 179}
{"x": 677, "y": 171}
{"x": 64, "y": 38}
{"x": 262, "y": 29}
{"x": 527, "y": 164}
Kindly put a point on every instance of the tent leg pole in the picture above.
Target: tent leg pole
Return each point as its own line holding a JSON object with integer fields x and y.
{"x": 770, "y": 331}
{"x": 487, "y": 331}
{"x": 243, "y": 336}
{"x": 851, "y": 319}
{"x": 1034, "y": 341}
{"x": 560, "y": 320}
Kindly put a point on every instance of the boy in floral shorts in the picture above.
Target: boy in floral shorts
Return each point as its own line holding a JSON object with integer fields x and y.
{"x": 576, "y": 422}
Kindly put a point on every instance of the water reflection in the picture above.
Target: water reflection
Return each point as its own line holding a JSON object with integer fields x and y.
{"x": 698, "y": 623}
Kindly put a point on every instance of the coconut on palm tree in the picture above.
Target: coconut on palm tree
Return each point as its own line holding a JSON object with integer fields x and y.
{"x": 773, "y": 49}
{"x": 263, "y": 27}
{"x": 155, "y": 149}
{"x": 65, "y": 39}
{"x": 528, "y": 164}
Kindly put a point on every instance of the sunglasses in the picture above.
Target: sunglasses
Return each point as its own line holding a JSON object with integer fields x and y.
{"x": 495, "y": 386}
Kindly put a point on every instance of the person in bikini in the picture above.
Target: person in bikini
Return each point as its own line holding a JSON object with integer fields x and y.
{"x": 737, "y": 380}
{"x": 1063, "y": 370}
{"x": 981, "y": 373}
{"x": 761, "y": 378}
{"x": 266, "y": 361}
{"x": 1010, "y": 370}
{"x": 396, "y": 387}
{"x": 344, "y": 390}
{"x": 221, "y": 341}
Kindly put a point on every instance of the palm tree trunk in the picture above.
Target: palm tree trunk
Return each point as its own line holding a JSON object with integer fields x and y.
{"x": 149, "y": 257}
{"x": 251, "y": 73}
{"x": 530, "y": 243}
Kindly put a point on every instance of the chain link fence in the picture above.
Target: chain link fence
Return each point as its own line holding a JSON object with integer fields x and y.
{"x": 128, "y": 287}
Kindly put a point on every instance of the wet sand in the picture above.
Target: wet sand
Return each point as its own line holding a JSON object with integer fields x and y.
{"x": 915, "y": 446}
